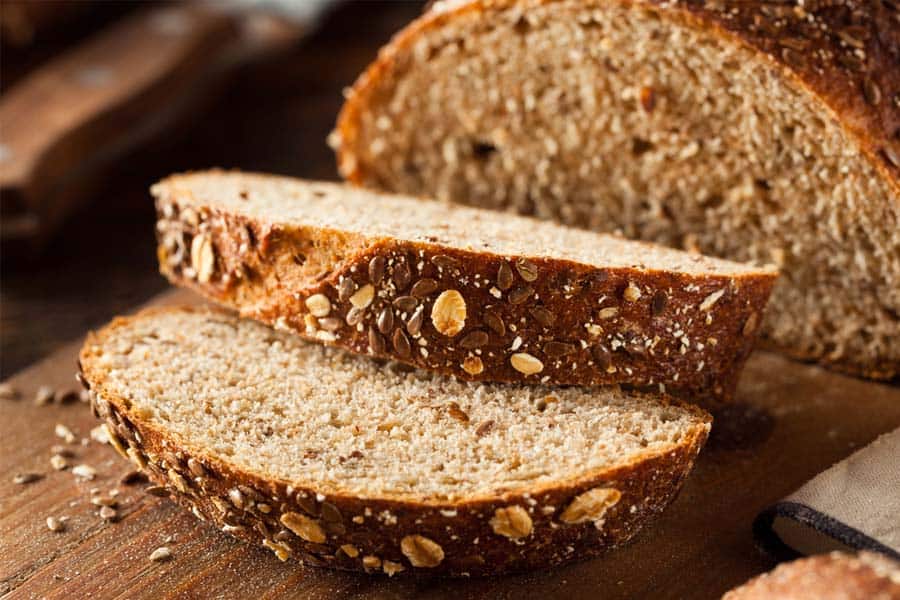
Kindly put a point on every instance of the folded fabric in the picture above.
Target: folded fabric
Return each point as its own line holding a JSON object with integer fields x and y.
{"x": 855, "y": 505}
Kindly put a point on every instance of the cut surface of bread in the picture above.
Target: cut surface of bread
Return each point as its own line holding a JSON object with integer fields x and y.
{"x": 834, "y": 576}
{"x": 344, "y": 461}
{"x": 467, "y": 292}
{"x": 756, "y": 131}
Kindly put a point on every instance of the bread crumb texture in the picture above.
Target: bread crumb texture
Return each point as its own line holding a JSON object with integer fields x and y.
{"x": 345, "y": 461}
{"x": 760, "y": 132}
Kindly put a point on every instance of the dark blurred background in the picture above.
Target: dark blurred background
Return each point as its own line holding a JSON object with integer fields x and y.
{"x": 271, "y": 114}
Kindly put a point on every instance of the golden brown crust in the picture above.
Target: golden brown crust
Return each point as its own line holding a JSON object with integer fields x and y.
{"x": 539, "y": 320}
{"x": 829, "y": 576}
{"x": 844, "y": 54}
{"x": 351, "y": 532}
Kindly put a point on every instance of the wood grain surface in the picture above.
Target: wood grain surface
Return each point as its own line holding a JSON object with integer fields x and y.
{"x": 791, "y": 422}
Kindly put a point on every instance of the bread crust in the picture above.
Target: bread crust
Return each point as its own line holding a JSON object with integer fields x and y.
{"x": 692, "y": 334}
{"x": 251, "y": 505}
{"x": 848, "y": 61}
{"x": 867, "y": 576}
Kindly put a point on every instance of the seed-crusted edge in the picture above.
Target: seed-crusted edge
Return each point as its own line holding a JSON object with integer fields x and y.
{"x": 249, "y": 506}
{"x": 844, "y": 84}
{"x": 583, "y": 324}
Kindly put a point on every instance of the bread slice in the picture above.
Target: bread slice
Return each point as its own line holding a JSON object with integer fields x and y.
{"x": 833, "y": 576}
{"x": 345, "y": 462}
{"x": 755, "y": 131}
{"x": 472, "y": 293}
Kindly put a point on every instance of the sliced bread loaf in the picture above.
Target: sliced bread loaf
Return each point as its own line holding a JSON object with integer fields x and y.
{"x": 756, "y": 131}
{"x": 468, "y": 292}
{"x": 346, "y": 462}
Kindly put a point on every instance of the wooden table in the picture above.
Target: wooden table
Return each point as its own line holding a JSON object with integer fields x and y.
{"x": 792, "y": 421}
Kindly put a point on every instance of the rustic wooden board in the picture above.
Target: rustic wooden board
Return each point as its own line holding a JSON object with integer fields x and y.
{"x": 791, "y": 422}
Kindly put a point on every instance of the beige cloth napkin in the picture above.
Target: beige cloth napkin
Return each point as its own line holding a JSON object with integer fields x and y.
{"x": 854, "y": 505}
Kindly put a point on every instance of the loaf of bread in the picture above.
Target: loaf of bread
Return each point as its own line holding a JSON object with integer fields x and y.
{"x": 467, "y": 292}
{"x": 346, "y": 462}
{"x": 756, "y": 131}
{"x": 835, "y": 576}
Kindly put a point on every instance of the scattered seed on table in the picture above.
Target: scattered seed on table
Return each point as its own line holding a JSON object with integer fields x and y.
{"x": 54, "y": 524}
{"x": 84, "y": 472}
{"x": 23, "y": 478}
{"x": 44, "y": 395}
{"x": 8, "y": 392}
{"x": 64, "y": 432}
{"x": 161, "y": 554}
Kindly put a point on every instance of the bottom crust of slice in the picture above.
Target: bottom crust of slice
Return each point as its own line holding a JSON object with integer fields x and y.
{"x": 570, "y": 521}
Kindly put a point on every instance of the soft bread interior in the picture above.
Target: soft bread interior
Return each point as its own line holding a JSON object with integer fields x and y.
{"x": 290, "y": 202}
{"x": 615, "y": 116}
{"x": 267, "y": 403}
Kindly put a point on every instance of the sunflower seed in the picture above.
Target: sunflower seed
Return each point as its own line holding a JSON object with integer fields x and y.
{"x": 504, "y": 276}
{"x": 424, "y": 287}
{"x": 443, "y": 261}
{"x": 376, "y": 270}
{"x": 354, "y": 316}
{"x": 346, "y": 289}
{"x": 376, "y": 342}
{"x": 401, "y": 344}
{"x": 401, "y": 276}
{"x": 527, "y": 269}
{"x": 386, "y": 320}
{"x": 542, "y": 316}
{"x": 520, "y": 294}
{"x": 494, "y": 321}
{"x": 158, "y": 491}
{"x": 405, "y": 303}
{"x": 475, "y": 339}
{"x": 414, "y": 324}
{"x": 554, "y": 349}
{"x": 871, "y": 91}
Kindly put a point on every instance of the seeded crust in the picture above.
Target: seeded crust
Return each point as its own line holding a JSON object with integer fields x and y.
{"x": 756, "y": 131}
{"x": 466, "y": 292}
{"x": 834, "y": 576}
{"x": 214, "y": 466}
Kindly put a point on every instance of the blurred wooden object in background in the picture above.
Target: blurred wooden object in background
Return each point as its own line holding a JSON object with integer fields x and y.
{"x": 78, "y": 113}
{"x": 271, "y": 115}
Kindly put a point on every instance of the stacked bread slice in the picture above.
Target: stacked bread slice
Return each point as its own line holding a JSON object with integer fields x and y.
{"x": 750, "y": 130}
{"x": 413, "y": 407}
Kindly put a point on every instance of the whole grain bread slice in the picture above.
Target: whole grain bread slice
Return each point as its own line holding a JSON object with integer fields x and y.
{"x": 347, "y": 462}
{"x": 467, "y": 292}
{"x": 750, "y": 130}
